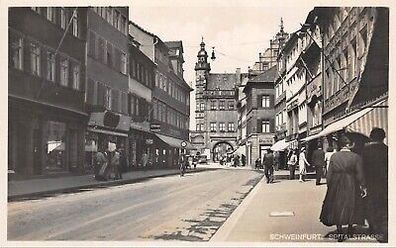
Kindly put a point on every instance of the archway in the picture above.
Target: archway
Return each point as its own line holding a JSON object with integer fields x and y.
{"x": 220, "y": 150}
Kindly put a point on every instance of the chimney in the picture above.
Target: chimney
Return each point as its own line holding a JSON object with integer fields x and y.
{"x": 238, "y": 76}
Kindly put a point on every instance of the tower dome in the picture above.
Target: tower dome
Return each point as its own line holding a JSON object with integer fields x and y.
{"x": 202, "y": 63}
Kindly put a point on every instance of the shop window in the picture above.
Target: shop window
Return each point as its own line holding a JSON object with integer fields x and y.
{"x": 55, "y": 142}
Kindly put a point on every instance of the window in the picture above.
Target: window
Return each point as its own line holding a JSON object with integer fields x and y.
{"x": 265, "y": 126}
{"x": 202, "y": 106}
{"x": 108, "y": 98}
{"x": 222, "y": 127}
{"x": 221, "y": 104}
{"x": 213, "y": 105}
{"x": 123, "y": 25}
{"x": 16, "y": 53}
{"x": 213, "y": 126}
{"x": 109, "y": 54}
{"x": 231, "y": 127}
{"x": 35, "y": 59}
{"x": 132, "y": 107}
{"x": 198, "y": 127}
{"x": 123, "y": 63}
{"x": 64, "y": 72}
{"x": 36, "y": 9}
{"x": 75, "y": 24}
{"x": 63, "y": 18}
{"x": 109, "y": 15}
{"x": 230, "y": 105}
{"x": 51, "y": 66}
{"x": 76, "y": 77}
{"x": 103, "y": 12}
{"x": 265, "y": 101}
{"x": 50, "y": 14}
{"x": 116, "y": 19}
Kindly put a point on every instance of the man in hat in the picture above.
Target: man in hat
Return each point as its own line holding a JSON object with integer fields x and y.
{"x": 318, "y": 160}
{"x": 268, "y": 163}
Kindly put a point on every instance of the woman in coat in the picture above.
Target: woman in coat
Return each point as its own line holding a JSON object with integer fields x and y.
{"x": 302, "y": 161}
{"x": 345, "y": 189}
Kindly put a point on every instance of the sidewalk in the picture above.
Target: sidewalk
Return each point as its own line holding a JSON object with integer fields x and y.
{"x": 36, "y": 187}
{"x": 285, "y": 211}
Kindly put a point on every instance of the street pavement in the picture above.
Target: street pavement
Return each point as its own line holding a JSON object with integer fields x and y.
{"x": 285, "y": 211}
{"x": 172, "y": 208}
{"x": 25, "y": 189}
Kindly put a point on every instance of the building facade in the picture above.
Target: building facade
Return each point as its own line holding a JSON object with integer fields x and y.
{"x": 170, "y": 96}
{"x": 46, "y": 84}
{"x": 141, "y": 84}
{"x": 107, "y": 78}
{"x": 260, "y": 112}
{"x": 216, "y": 115}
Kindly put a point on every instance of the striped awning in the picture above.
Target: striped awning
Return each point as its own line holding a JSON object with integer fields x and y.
{"x": 376, "y": 117}
{"x": 362, "y": 121}
{"x": 280, "y": 145}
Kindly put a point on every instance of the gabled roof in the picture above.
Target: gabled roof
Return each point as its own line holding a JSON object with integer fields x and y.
{"x": 268, "y": 76}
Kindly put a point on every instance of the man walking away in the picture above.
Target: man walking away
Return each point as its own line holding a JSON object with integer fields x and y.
{"x": 318, "y": 160}
{"x": 114, "y": 159}
{"x": 123, "y": 163}
{"x": 375, "y": 166}
{"x": 291, "y": 163}
{"x": 268, "y": 162}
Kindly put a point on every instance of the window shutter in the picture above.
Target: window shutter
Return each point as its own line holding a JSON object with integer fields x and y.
{"x": 101, "y": 94}
{"x": 259, "y": 101}
{"x": 90, "y": 91}
{"x": 272, "y": 125}
{"x": 259, "y": 127}
{"x": 272, "y": 101}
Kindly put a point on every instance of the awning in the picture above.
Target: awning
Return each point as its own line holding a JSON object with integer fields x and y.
{"x": 315, "y": 136}
{"x": 279, "y": 145}
{"x": 174, "y": 142}
{"x": 96, "y": 130}
{"x": 355, "y": 123}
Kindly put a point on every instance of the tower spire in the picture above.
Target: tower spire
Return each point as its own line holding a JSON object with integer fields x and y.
{"x": 281, "y": 25}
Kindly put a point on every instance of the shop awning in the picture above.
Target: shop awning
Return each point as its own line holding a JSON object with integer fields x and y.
{"x": 97, "y": 130}
{"x": 354, "y": 123}
{"x": 315, "y": 136}
{"x": 174, "y": 142}
{"x": 279, "y": 145}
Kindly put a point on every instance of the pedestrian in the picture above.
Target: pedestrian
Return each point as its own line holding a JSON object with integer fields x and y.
{"x": 318, "y": 160}
{"x": 302, "y": 162}
{"x": 330, "y": 151}
{"x": 257, "y": 164}
{"x": 345, "y": 188}
{"x": 236, "y": 160}
{"x": 291, "y": 163}
{"x": 114, "y": 160}
{"x": 101, "y": 164}
{"x": 268, "y": 163}
{"x": 182, "y": 164}
{"x": 144, "y": 160}
{"x": 375, "y": 165}
{"x": 123, "y": 163}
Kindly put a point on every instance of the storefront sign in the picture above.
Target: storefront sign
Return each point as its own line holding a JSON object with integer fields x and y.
{"x": 155, "y": 127}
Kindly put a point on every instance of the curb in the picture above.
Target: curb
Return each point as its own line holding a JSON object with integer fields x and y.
{"x": 100, "y": 184}
{"x": 224, "y": 231}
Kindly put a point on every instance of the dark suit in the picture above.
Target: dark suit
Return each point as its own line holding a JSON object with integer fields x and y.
{"x": 268, "y": 163}
{"x": 375, "y": 166}
{"x": 318, "y": 160}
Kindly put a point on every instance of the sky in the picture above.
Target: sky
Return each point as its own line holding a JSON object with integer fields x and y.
{"x": 238, "y": 29}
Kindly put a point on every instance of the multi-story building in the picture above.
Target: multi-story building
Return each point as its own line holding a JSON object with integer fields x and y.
{"x": 141, "y": 84}
{"x": 355, "y": 74}
{"x": 216, "y": 115}
{"x": 46, "y": 85}
{"x": 107, "y": 77}
{"x": 170, "y": 95}
{"x": 268, "y": 59}
{"x": 260, "y": 114}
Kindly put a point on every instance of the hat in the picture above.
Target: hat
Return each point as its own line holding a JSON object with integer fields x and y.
{"x": 112, "y": 147}
{"x": 302, "y": 148}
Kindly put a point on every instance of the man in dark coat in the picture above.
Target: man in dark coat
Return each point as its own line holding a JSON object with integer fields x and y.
{"x": 268, "y": 163}
{"x": 318, "y": 160}
{"x": 375, "y": 165}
